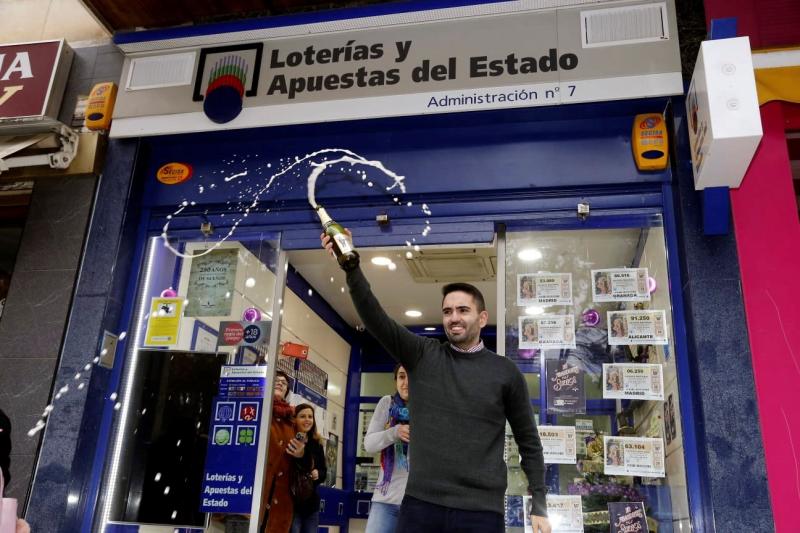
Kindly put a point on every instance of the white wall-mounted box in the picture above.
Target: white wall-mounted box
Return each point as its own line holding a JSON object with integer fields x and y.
{"x": 722, "y": 113}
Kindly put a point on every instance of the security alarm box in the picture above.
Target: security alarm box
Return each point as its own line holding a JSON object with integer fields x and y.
{"x": 649, "y": 142}
{"x": 100, "y": 105}
{"x": 722, "y": 113}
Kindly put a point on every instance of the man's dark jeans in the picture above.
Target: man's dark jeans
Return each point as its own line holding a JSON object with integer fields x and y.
{"x": 417, "y": 516}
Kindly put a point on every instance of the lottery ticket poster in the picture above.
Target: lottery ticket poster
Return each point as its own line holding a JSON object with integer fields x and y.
{"x": 634, "y": 381}
{"x": 565, "y": 513}
{"x": 627, "y": 517}
{"x": 637, "y": 327}
{"x": 546, "y": 332}
{"x": 620, "y": 285}
{"x": 544, "y": 289}
{"x": 633, "y": 456}
{"x": 558, "y": 443}
{"x": 566, "y": 393}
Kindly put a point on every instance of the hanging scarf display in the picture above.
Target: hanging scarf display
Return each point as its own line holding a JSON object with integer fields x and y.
{"x": 397, "y": 453}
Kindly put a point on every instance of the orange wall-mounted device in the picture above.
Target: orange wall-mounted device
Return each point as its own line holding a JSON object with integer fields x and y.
{"x": 649, "y": 141}
{"x": 100, "y": 106}
{"x": 294, "y": 350}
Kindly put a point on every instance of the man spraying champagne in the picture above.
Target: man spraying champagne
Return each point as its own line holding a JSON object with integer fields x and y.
{"x": 463, "y": 395}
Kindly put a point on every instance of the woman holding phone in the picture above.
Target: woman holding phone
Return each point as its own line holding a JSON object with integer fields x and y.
{"x": 389, "y": 433}
{"x": 276, "y": 502}
{"x": 306, "y": 512}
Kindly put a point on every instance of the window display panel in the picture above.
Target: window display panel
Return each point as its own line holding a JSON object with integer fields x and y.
{"x": 589, "y": 311}
{"x": 199, "y": 307}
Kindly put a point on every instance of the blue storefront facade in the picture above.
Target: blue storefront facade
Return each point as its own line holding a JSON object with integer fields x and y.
{"x": 502, "y": 174}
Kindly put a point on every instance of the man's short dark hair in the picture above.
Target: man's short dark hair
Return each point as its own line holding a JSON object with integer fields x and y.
{"x": 472, "y": 290}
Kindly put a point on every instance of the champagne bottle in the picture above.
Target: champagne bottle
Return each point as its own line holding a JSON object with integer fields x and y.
{"x": 343, "y": 247}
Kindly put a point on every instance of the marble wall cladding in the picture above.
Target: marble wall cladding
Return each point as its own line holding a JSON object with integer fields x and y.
{"x": 37, "y": 308}
{"x": 70, "y": 439}
{"x": 719, "y": 347}
{"x": 50, "y": 328}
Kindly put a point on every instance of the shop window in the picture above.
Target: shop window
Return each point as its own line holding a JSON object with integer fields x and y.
{"x": 589, "y": 310}
{"x": 14, "y": 201}
{"x": 163, "y": 412}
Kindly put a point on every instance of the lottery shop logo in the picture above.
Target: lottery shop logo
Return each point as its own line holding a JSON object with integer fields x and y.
{"x": 226, "y": 75}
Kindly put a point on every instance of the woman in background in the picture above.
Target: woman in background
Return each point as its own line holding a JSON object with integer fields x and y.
{"x": 276, "y": 502}
{"x": 306, "y": 513}
{"x": 389, "y": 434}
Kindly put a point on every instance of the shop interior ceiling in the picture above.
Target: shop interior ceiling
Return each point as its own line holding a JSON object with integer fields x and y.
{"x": 415, "y": 284}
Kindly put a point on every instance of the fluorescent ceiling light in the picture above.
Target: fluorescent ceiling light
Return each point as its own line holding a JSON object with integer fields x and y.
{"x": 534, "y": 310}
{"x": 380, "y": 260}
{"x": 413, "y": 313}
{"x": 529, "y": 254}
{"x": 430, "y": 329}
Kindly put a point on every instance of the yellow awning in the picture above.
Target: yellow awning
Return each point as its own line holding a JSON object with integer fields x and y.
{"x": 777, "y": 75}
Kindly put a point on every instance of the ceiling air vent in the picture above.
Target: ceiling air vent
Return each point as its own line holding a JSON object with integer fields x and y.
{"x": 171, "y": 70}
{"x": 624, "y": 25}
{"x": 445, "y": 266}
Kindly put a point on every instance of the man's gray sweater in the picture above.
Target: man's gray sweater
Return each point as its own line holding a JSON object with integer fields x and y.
{"x": 458, "y": 404}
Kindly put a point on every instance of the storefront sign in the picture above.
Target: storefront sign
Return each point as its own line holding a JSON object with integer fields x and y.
{"x": 164, "y": 322}
{"x": 32, "y": 80}
{"x": 386, "y": 66}
{"x": 236, "y": 414}
{"x": 558, "y": 443}
{"x": 633, "y": 456}
{"x": 243, "y": 333}
{"x": 637, "y": 327}
{"x": 565, "y": 388}
{"x": 636, "y": 381}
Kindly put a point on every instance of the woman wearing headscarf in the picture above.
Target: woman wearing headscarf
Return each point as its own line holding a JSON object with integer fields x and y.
{"x": 389, "y": 434}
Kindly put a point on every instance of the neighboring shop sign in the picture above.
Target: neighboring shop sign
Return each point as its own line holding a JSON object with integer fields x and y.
{"x": 33, "y": 77}
{"x": 164, "y": 322}
{"x": 243, "y": 333}
{"x": 230, "y": 467}
{"x": 446, "y": 62}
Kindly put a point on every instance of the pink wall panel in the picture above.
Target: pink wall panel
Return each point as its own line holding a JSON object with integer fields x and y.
{"x": 768, "y": 241}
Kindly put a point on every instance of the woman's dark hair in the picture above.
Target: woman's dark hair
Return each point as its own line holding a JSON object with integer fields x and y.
{"x": 314, "y": 433}
{"x": 397, "y": 368}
